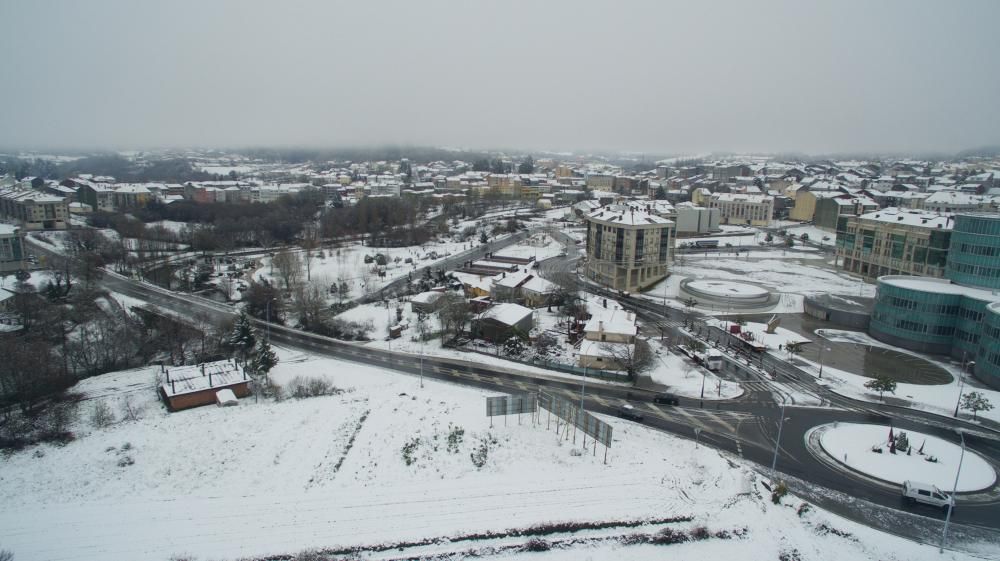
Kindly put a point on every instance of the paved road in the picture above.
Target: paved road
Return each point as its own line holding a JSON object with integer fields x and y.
{"x": 975, "y": 513}
{"x": 746, "y": 427}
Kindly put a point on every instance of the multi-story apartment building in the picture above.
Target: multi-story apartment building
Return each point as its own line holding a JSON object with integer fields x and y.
{"x": 11, "y": 249}
{"x": 894, "y": 241}
{"x": 738, "y": 208}
{"x": 34, "y": 210}
{"x": 628, "y": 247}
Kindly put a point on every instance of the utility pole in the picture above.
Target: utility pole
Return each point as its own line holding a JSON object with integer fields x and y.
{"x": 777, "y": 443}
{"x": 954, "y": 489}
{"x": 961, "y": 381}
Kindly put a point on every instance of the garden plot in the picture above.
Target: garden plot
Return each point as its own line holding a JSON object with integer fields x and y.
{"x": 385, "y": 461}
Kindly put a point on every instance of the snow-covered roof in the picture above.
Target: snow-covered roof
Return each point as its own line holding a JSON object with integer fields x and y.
{"x": 507, "y": 314}
{"x": 627, "y": 215}
{"x": 612, "y": 319}
{"x": 196, "y": 378}
{"x": 8, "y": 229}
{"x": 911, "y": 217}
{"x": 742, "y": 197}
{"x": 428, "y": 297}
{"x": 957, "y": 198}
{"x": 939, "y": 286}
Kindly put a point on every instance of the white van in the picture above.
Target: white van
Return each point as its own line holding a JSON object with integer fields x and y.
{"x": 916, "y": 492}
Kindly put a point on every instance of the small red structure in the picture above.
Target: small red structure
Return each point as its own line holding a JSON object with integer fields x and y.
{"x": 734, "y": 328}
{"x": 194, "y": 386}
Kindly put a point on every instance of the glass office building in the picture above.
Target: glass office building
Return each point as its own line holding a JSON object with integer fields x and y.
{"x": 958, "y": 315}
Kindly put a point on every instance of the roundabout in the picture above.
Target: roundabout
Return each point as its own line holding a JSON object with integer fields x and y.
{"x": 865, "y": 449}
{"x": 734, "y": 294}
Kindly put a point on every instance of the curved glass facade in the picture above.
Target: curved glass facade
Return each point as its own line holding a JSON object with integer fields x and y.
{"x": 988, "y": 358}
{"x": 913, "y": 317}
{"x": 974, "y": 254}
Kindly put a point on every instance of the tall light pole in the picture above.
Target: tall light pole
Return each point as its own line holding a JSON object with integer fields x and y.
{"x": 951, "y": 499}
{"x": 821, "y": 360}
{"x": 583, "y": 387}
{"x": 777, "y": 443}
{"x": 961, "y": 381}
{"x": 268, "y": 323}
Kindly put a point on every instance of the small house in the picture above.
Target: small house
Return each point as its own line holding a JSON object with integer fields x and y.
{"x": 197, "y": 385}
{"x": 501, "y": 321}
{"x": 426, "y": 302}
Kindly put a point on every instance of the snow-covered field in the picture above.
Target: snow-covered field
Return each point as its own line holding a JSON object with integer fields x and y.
{"x": 381, "y": 462}
{"x": 852, "y": 444}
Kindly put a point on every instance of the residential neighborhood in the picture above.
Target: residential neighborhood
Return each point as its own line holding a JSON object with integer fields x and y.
{"x": 375, "y": 281}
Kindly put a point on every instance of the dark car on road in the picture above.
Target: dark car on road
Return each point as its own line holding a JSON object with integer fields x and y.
{"x": 630, "y": 413}
{"x": 666, "y": 399}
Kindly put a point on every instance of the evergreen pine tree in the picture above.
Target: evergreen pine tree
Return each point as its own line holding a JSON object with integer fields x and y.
{"x": 243, "y": 337}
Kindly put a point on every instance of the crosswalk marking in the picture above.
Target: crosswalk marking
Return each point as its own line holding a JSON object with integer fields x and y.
{"x": 691, "y": 418}
{"x": 601, "y": 400}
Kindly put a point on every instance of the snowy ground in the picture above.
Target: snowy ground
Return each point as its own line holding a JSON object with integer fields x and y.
{"x": 940, "y": 398}
{"x": 791, "y": 279}
{"x": 851, "y": 444}
{"x": 771, "y": 341}
{"x": 348, "y": 263}
{"x": 816, "y": 235}
{"x": 686, "y": 379}
{"x": 274, "y": 478}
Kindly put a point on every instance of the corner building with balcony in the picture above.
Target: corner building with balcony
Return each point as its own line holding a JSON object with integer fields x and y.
{"x": 628, "y": 246}
{"x": 958, "y": 315}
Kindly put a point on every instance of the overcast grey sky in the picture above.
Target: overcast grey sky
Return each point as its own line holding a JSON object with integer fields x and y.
{"x": 643, "y": 76}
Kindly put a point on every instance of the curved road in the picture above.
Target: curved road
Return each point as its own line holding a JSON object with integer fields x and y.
{"x": 746, "y": 427}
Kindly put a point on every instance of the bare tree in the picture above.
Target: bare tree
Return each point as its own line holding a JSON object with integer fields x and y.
{"x": 289, "y": 267}
{"x": 454, "y": 313}
{"x": 310, "y": 241}
{"x": 309, "y": 303}
{"x": 632, "y": 358}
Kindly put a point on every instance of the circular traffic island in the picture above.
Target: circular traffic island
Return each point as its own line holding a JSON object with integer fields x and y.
{"x": 735, "y": 294}
{"x": 867, "y": 449}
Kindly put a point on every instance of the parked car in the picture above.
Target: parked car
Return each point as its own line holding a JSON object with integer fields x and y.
{"x": 630, "y": 413}
{"x": 666, "y": 399}
{"x": 916, "y": 492}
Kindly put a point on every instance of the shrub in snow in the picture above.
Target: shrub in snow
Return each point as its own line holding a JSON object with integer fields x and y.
{"x": 101, "y": 415}
{"x": 409, "y": 449}
{"x": 6, "y": 555}
{"x": 455, "y": 437}
{"x": 537, "y": 544}
{"x": 125, "y": 461}
{"x": 301, "y": 387}
{"x": 789, "y": 555}
{"x": 699, "y": 533}
{"x": 482, "y": 452}
{"x": 931, "y": 459}
{"x": 669, "y": 536}
{"x": 779, "y": 491}
{"x": 183, "y": 557}
{"x": 127, "y": 446}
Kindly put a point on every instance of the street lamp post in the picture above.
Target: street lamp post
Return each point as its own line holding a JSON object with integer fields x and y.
{"x": 268, "y": 323}
{"x": 583, "y": 388}
{"x": 777, "y": 443}
{"x": 821, "y": 360}
{"x": 961, "y": 381}
{"x": 951, "y": 499}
